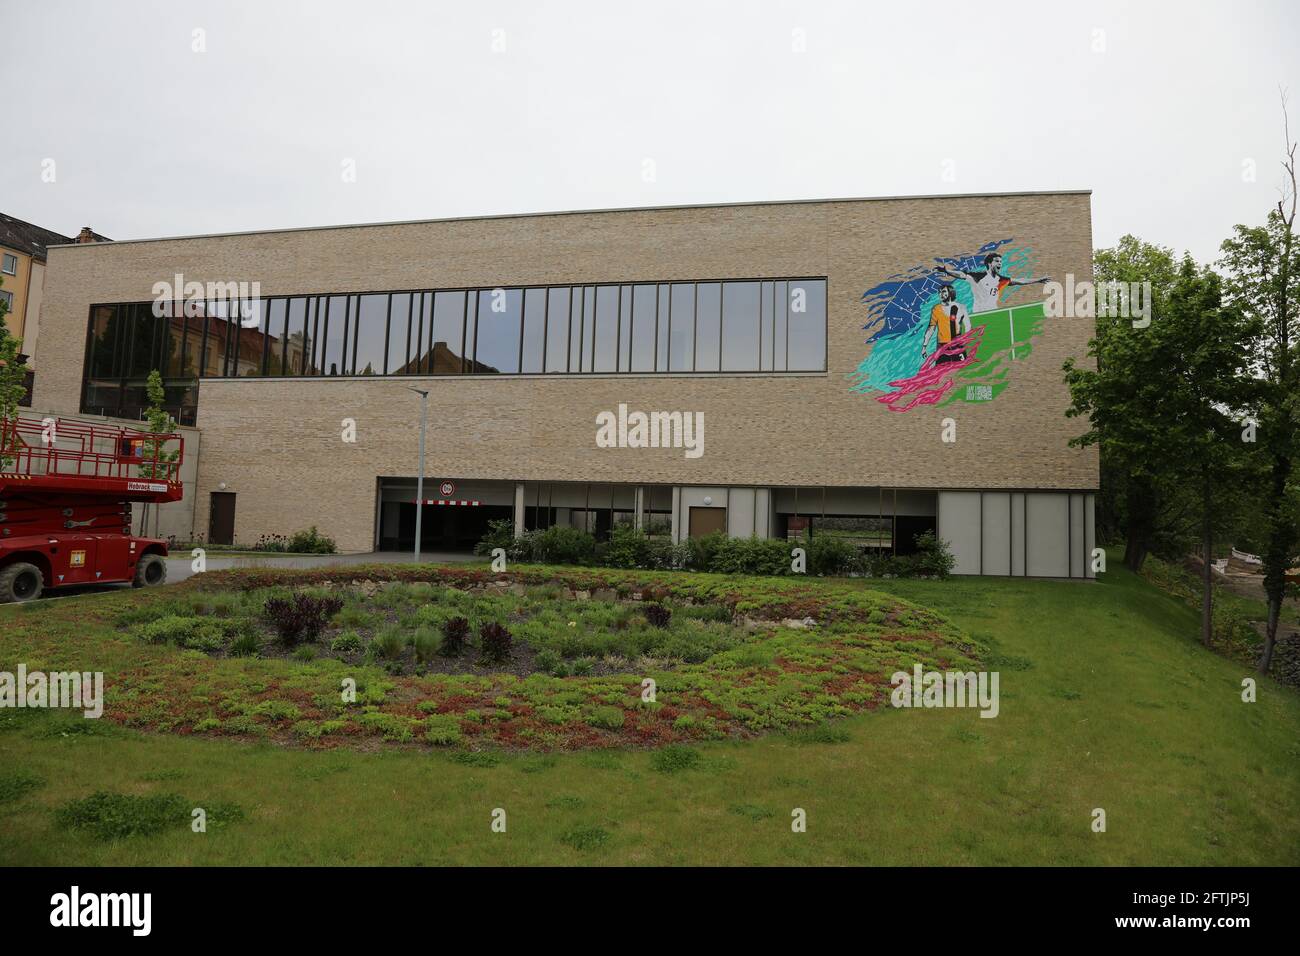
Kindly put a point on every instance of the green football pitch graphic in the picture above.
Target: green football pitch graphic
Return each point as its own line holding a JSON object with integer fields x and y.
{"x": 1007, "y": 336}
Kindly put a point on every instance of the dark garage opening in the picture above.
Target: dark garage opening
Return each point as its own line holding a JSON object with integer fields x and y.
{"x": 443, "y": 527}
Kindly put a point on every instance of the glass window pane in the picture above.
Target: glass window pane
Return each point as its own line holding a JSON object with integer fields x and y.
{"x": 142, "y": 338}
{"x": 173, "y": 340}
{"x": 663, "y": 327}
{"x": 421, "y": 326}
{"x": 399, "y": 333}
{"x": 557, "y": 330}
{"x": 447, "y": 334}
{"x": 681, "y": 344}
{"x": 252, "y": 338}
{"x": 210, "y": 356}
{"x": 583, "y": 322}
{"x": 333, "y": 334}
{"x": 767, "y": 305}
{"x": 105, "y": 326}
{"x": 371, "y": 327}
{"x": 644, "y": 319}
{"x": 740, "y": 323}
{"x": 275, "y": 318}
{"x": 624, "y": 328}
{"x": 496, "y": 341}
{"x": 605, "y": 339}
{"x": 807, "y": 325}
{"x": 782, "y": 334}
{"x": 534, "y": 329}
{"x": 297, "y": 337}
{"x": 708, "y": 326}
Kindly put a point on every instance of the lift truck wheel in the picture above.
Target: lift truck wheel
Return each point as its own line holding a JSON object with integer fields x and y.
{"x": 20, "y": 582}
{"x": 151, "y": 570}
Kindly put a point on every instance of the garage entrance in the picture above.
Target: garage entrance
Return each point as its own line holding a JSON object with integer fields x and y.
{"x": 449, "y": 522}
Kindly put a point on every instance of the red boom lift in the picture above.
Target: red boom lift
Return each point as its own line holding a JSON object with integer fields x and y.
{"x": 66, "y": 489}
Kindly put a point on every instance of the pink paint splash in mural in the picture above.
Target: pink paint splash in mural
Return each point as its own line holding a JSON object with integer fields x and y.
{"x": 934, "y": 379}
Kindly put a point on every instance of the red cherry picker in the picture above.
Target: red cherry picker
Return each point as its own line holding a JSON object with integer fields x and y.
{"x": 66, "y": 491}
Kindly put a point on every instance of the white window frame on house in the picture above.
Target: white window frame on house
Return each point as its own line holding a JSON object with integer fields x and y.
{"x": 10, "y": 265}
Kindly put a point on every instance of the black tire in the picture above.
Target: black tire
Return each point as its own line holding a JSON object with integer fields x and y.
{"x": 150, "y": 572}
{"x": 20, "y": 582}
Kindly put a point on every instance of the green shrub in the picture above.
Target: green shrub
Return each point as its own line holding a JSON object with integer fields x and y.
{"x": 245, "y": 645}
{"x": 389, "y": 642}
{"x": 585, "y": 837}
{"x": 933, "y": 557}
{"x": 441, "y": 729}
{"x": 563, "y": 544}
{"x": 627, "y": 548}
{"x": 611, "y": 718}
{"x": 305, "y": 652}
{"x": 828, "y": 554}
{"x": 198, "y": 633}
{"x": 311, "y": 541}
{"x": 349, "y": 642}
{"x": 702, "y": 550}
{"x": 501, "y": 534}
{"x": 675, "y": 757}
{"x": 768, "y": 556}
{"x": 16, "y": 782}
{"x": 583, "y": 667}
{"x": 426, "y": 642}
{"x": 113, "y": 816}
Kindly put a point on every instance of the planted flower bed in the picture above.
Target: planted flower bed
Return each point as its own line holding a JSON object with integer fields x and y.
{"x": 539, "y": 658}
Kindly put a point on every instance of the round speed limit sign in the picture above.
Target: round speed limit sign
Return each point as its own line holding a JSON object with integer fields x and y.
{"x": 446, "y": 489}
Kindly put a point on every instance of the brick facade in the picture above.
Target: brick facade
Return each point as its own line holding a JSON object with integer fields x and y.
{"x": 277, "y": 442}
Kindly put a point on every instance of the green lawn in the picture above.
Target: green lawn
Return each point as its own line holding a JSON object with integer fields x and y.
{"x": 1106, "y": 701}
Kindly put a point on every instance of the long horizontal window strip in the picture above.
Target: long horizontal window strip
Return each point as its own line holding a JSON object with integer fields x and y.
{"x": 701, "y": 327}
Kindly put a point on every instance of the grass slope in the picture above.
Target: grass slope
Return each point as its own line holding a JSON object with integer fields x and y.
{"x": 1107, "y": 701}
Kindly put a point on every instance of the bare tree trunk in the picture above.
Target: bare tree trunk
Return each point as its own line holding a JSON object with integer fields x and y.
{"x": 1270, "y": 637}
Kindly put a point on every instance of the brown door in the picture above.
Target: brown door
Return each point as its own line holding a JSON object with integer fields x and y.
{"x": 707, "y": 520}
{"x": 221, "y": 518}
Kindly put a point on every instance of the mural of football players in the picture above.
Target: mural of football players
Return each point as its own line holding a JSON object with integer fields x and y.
{"x": 986, "y": 286}
{"x": 948, "y": 319}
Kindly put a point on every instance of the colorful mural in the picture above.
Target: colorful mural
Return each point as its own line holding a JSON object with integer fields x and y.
{"x": 949, "y": 332}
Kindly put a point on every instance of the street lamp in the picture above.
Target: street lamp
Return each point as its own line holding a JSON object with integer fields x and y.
{"x": 419, "y": 481}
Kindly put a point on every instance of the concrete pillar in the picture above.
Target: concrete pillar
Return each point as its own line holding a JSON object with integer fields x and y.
{"x": 638, "y": 508}
{"x": 677, "y": 516}
{"x": 519, "y": 509}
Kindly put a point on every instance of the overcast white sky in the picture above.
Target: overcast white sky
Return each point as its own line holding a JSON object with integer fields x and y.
{"x": 150, "y": 138}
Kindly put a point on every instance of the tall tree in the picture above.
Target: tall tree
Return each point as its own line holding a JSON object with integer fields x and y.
{"x": 1209, "y": 393}
{"x": 156, "y": 456}
{"x": 1142, "y": 496}
{"x": 1263, "y": 280}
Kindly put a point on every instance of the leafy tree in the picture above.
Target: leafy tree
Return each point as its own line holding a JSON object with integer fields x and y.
{"x": 1209, "y": 392}
{"x": 156, "y": 456}
{"x": 1142, "y": 497}
{"x": 1263, "y": 281}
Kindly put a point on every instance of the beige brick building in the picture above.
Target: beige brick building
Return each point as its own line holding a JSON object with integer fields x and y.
{"x": 839, "y": 389}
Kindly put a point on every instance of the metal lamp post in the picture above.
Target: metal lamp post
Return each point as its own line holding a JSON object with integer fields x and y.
{"x": 419, "y": 481}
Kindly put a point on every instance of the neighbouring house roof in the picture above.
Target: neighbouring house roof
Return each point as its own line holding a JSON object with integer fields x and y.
{"x": 33, "y": 240}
